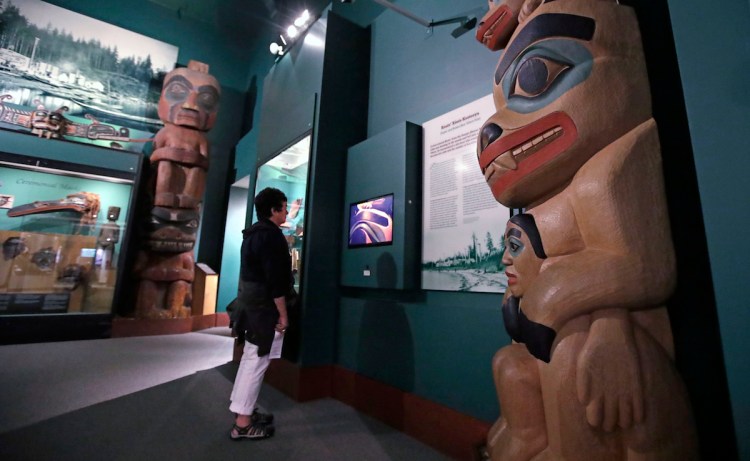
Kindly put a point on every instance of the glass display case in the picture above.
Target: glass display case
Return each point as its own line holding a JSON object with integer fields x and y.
{"x": 62, "y": 227}
{"x": 287, "y": 171}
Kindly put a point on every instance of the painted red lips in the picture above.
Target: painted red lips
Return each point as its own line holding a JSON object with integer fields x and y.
{"x": 517, "y": 154}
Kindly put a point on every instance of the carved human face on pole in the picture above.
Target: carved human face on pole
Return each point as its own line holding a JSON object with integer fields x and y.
{"x": 190, "y": 98}
{"x": 563, "y": 91}
{"x": 523, "y": 255}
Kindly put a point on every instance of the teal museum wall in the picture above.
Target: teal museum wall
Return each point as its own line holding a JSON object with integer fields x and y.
{"x": 713, "y": 50}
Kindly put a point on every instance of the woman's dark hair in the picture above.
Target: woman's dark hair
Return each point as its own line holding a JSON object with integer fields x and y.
{"x": 268, "y": 199}
{"x": 526, "y": 222}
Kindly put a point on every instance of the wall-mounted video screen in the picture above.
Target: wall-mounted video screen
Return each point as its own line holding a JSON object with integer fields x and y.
{"x": 371, "y": 222}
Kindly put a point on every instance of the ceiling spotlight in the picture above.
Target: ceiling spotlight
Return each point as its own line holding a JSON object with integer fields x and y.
{"x": 302, "y": 20}
{"x": 292, "y": 34}
{"x": 276, "y": 49}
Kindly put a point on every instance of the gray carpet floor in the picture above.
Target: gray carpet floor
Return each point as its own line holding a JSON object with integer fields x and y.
{"x": 166, "y": 398}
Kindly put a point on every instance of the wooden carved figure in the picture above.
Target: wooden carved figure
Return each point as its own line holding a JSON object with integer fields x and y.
{"x": 188, "y": 107}
{"x": 165, "y": 289}
{"x": 165, "y": 265}
{"x": 590, "y": 375}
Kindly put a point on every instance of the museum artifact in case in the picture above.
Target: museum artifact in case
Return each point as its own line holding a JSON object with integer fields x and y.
{"x": 62, "y": 228}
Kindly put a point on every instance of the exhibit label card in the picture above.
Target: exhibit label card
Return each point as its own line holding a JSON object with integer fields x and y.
{"x": 462, "y": 224}
{"x": 276, "y": 345}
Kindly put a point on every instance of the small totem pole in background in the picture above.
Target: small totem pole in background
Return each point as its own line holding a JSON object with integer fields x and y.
{"x": 590, "y": 264}
{"x": 165, "y": 265}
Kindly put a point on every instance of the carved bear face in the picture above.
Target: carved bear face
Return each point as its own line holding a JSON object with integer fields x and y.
{"x": 172, "y": 230}
{"x": 571, "y": 80}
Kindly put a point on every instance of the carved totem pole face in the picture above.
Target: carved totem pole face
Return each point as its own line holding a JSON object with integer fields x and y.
{"x": 522, "y": 264}
{"x": 570, "y": 80}
{"x": 190, "y": 98}
{"x": 172, "y": 230}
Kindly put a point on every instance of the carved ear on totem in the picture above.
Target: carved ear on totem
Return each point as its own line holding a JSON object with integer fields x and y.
{"x": 498, "y": 24}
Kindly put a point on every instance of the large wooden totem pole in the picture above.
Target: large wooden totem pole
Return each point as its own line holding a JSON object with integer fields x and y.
{"x": 590, "y": 374}
{"x": 165, "y": 265}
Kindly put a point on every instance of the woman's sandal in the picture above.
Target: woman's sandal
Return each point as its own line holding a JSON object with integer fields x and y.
{"x": 252, "y": 431}
{"x": 261, "y": 418}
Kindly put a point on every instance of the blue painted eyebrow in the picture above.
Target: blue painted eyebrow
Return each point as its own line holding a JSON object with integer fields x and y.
{"x": 544, "y": 26}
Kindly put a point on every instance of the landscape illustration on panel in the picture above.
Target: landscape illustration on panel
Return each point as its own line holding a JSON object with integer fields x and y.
{"x": 475, "y": 266}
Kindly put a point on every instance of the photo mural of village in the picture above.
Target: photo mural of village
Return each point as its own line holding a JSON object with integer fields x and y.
{"x": 67, "y": 76}
{"x": 478, "y": 267}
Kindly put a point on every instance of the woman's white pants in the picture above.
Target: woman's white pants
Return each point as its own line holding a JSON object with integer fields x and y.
{"x": 249, "y": 380}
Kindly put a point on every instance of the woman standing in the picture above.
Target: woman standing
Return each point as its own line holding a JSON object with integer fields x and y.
{"x": 265, "y": 280}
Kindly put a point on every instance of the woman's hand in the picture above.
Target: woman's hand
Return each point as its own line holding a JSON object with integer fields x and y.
{"x": 282, "y": 325}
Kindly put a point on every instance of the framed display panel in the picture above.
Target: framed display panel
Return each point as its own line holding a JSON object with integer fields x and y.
{"x": 385, "y": 168}
{"x": 62, "y": 226}
{"x": 287, "y": 171}
{"x": 68, "y": 76}
{"x": 371, "y": 222}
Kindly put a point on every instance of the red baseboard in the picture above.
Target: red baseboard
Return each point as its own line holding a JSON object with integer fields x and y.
{"x": 222, "y": 319}
{"x": 123, "y": 327}
{"x": 444, "y": 429}
{"x": 371, "y": 397}
{"x": 301, "y": 384}
{"x": 447, "y": 430}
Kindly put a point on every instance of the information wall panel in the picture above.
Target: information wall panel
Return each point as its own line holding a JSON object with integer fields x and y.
{"x": 462, "y": 224}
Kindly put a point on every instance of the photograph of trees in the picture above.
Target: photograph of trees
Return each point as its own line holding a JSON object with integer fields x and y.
{"x": 91, "y": 72}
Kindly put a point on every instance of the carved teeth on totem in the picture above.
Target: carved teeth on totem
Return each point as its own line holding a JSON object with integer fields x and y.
{"x": 491, "y": 30}
{"x": 509, "y": 159}
{"x": 488, "y": 34}
{"x": 171, "y": 247}
{"x": 506, "y": 160}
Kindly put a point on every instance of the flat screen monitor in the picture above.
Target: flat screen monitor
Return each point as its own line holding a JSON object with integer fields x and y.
{"x": 371, "y": 222}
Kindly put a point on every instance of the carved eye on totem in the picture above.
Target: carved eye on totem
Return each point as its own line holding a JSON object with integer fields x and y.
{"x": 515, "y": 246}
{"x": 535, "y": 75}
{"x": 177, "y": 91}
{"x": 208, "y": 99}
{"x": 192, "y": 224}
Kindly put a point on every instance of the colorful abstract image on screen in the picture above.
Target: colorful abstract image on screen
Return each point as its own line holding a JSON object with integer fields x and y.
{"x": 371, "y": 222}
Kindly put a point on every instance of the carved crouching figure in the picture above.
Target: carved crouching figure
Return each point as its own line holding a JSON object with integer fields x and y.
{"x": 590, "y": 375}
{"x": 188, "y": 107}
